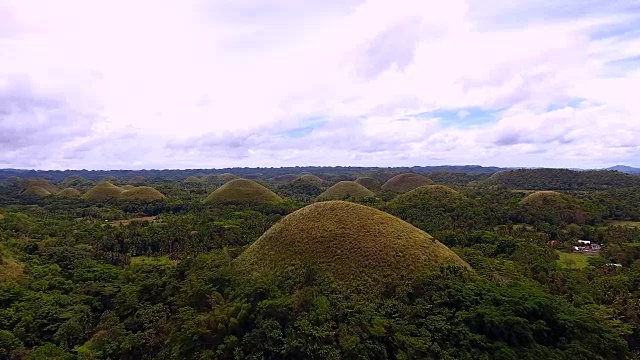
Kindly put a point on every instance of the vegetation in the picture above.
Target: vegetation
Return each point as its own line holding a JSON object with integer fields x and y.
{"x": 36, "y": 191}
{"x": 138, "y": 180}
{"x": 143, "y": 194}
{"x": 41, "y": 183}
{"x": 227, "y": 177}
{"x": 104, "y": 191}
{"x": 179, "y": 279}
{"x": 69, "y": 192}
{"x": 406, "y": 182}
{"x": 284, "y": 178}
{"x": 562, "y": 179}
{"x": 369, "y": 182}
{"x": 309, "y": 179}
{"x": 192, "y": 180}
{"x": 355, "y": 246}
{"x": 553, "y": 207}
{"x": 242, "y": 191}
{"x": 344, "y": 190}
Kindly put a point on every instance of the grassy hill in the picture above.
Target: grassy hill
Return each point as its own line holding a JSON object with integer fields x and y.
{"x": 143, "y": 194}
{"x": 43, "y": 183}
{"x": 369, "y": 182}
{"x": 346, "y": 190}
{"x": 354, "y": 246}
{"x": 69, "y": 192}
{"x": 103, "y": 191}
{"x": 193, "y": 180}
{"x": 36, "y": 191}
{"x": 310, "y": 179}
{"x": 227, "y": 177}
{"x": 242, "y": 191}
{"x": 406, "y": 182}
{"x": 553, "y": 207}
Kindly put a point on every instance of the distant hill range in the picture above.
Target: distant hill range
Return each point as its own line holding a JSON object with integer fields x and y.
{"x": 625, "y": 169}
{"x": 250, "y": 173}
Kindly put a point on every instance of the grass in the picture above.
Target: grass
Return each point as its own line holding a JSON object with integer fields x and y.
{"x": 10, "y": 269}
{"x": 310, "y": 179}
{"x": 406, "y": 182}
{"x": 155, "y": 260}
{"x": 346, "y": 190}
{"x": 635, "y": 224}
{"x": 355, "y": 247}
{"x": 127, "y": 221}
{"x": 369, "y": 182}
{"x": 36, "y": 191}
{"x": 143, "y": 194}
{"x": 43, "y": 183}
{"x": 540, "y": 196}
{"x": 103, "y": 191}
{"x": 227, "y": 177}
{"x": 430, "y": 195}
{"x": 574, "y": 260}
{"x": 69, "y": 192}
{"x": 193, "y": 180}
{"x": 242, "y": 191}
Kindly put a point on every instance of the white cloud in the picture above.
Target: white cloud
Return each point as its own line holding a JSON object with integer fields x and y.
{"x": 202, "y": 84}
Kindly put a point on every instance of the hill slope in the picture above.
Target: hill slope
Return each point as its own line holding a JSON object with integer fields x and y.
{"x": 36, "y": 191}
{"x": 103, "y": 191}
{"x": 242, "y": 191}
{"x": 406, "y": 182}
{"x": 346, "y": 190}
{"x": 142, "y": 193}
{"x": 369, "y": 182}
{"x": 351, "y": 245}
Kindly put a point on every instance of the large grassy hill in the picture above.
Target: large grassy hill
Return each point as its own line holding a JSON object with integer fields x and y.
{"x": 69, "y": 193}
{"x": 43, "y": 183}
{"x": 406, "y": 182}
{"x": 346, "y": 190}
{"x": 553, "y": 207}
{"x": 143, "y": 194}
{"x": 242, "y": 191}
{"x": 369, "y": 182}
{"x": 353, "y": 246}
{"x": 103, "y": 191}
{"x": 35, "y": 191}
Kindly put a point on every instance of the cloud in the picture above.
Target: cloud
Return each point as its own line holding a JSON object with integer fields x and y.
{"x": 360, "y": 82}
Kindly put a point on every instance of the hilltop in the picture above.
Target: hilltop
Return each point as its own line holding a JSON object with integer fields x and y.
{"x": 69, "y": 192}
{"x": 103, "y": 191}
{"x": 42, "y": 183}
{"x": 142, "y": 193}
{"x": 369, "y": 182}
{"x": 553, "y": 207}
{"x": 242, "y": 191}
{"x": 35, "y": 191}
{"x": 406, "y": 182}
{"x": 354, "y": 246}
{"x": 346, "y": 190}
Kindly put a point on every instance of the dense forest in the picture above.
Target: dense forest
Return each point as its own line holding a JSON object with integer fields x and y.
{"x": 203, "y": 264}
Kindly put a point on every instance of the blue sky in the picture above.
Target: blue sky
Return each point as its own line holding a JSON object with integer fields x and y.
{"x": 199, "y": 84}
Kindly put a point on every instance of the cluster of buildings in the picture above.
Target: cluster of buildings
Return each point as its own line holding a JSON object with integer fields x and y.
{"x": 588, "y": 247}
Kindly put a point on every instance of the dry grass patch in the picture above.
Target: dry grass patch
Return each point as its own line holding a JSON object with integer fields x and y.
{"x": 346, "y": 190}
{"x": 142, "y": 193}
{"x": 356, "y": 247}
{"x": 242, "y": 191}
{"x": 10, "y": 269}
{"x": 128, "y": 221}
{"x": 406, "y": 182}
{"x": 103, "y": 191}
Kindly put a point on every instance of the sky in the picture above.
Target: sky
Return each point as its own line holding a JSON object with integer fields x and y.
{"x": 245, "y": 83}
